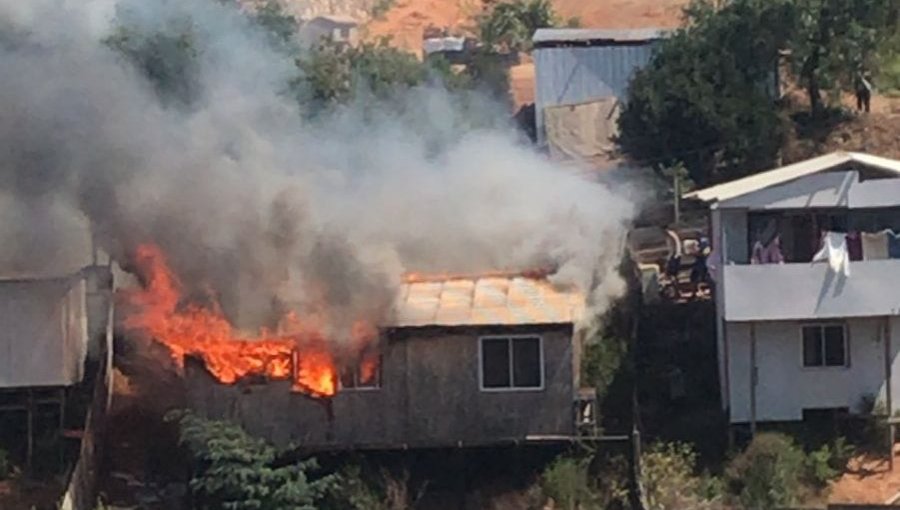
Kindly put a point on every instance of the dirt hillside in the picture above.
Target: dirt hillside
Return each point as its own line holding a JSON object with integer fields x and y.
{"x": 406, "y": 20}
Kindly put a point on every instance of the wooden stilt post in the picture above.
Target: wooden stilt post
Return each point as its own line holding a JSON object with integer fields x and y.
{"x": 29, "y": 442}
{"x": 60, "y": 437}
{"x": 753, "y": 378}
{"x": 889, "y": 404}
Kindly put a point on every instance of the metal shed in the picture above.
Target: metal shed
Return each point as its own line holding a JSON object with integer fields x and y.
{"x": 43, "y": 332}
{"x": 577, "y": 66}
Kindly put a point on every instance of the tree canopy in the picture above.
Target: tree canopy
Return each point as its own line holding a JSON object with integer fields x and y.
{"x": 166, "y": 57}
{"x": 707, "y": 98}
{"x": 510, "y": 25}
{"x": 832, "y": 41}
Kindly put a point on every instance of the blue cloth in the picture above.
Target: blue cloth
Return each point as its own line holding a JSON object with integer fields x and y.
{"x": 893, "y": 245}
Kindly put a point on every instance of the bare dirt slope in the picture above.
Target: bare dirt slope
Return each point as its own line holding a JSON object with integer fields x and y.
{"x": 406, "y": 20}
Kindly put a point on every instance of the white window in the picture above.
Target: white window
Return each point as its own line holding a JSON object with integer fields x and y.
{"x": 511, "y": 363}
{"x": 825, "y": 345}
{"x": 365, "y": 376}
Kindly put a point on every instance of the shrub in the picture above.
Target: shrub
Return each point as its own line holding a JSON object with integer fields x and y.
{"x": 768, "y": 474}
{"x": 567, "y": 482}
{"x": 236, "y": 471}
{"x": 669, "y": 481}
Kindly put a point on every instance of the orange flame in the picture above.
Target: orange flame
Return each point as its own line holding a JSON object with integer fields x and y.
{"x": 297, "y": 351}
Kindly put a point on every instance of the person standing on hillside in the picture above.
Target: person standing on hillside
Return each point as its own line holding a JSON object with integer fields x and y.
{"x": 863, "y": 92}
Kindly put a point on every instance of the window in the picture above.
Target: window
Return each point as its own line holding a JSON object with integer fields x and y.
{"x": 365, "y": 376}
{"x": 825, "y": 345}
{"x": 511, "y": 363}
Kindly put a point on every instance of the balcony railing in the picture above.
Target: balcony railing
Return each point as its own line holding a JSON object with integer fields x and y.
{"x": 810, "y": 291}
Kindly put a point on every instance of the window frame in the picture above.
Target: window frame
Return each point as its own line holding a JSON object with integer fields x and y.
{"x": 822, "y": 325}
{"x": 510, "y": 350}
{"x": 356, "y": 377}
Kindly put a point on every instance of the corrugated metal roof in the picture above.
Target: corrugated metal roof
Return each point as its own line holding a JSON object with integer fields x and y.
{"x": 788, "y": 173}
{"x": 337, "y": 19}
{"x": 549, "y": 35}
{"x": 486, "y": 300}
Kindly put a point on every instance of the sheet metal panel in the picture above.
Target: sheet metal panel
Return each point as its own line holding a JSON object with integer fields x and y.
{"x": 43, "y": 332}
{"x": 486, "y": 301}
{"x": 573, "y": 75}
{"x": 546, "y": 35}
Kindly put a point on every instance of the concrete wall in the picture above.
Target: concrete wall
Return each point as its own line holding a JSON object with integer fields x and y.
{"x": 429, "y": 397}
{"x": 785, "y": 387}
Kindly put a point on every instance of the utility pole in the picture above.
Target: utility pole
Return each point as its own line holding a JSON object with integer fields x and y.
{"x": 676, "y": 189}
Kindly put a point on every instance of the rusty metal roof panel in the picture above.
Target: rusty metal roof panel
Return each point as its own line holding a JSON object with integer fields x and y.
{"x": 482, "y": 301}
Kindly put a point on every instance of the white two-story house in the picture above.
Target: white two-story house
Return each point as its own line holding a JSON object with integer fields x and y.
{"x": 795, "y": 335}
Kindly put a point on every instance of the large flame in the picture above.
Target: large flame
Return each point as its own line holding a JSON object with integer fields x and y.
{"x": 297, "y": 350}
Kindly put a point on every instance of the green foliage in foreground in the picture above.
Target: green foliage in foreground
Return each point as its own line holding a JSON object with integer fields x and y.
{"x": 234, "y": 471}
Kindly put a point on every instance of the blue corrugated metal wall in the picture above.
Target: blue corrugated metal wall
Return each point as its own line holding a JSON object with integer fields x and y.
{"x": 581, "y": 74}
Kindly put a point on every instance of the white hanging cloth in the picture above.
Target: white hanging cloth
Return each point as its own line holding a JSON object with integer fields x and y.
{"x": 834, "y": 250}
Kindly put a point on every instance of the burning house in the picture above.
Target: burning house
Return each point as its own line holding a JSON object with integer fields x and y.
{"x": 463, "y": 361}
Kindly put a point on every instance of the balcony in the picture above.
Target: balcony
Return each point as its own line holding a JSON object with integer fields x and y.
{"x": 810, "y": 291}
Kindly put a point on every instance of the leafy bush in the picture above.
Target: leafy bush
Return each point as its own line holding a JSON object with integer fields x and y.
{"x": 567, "y": 483}
{"x": 669, "y": 482}
{"x": 235, "y": 471}
{"x": 768, "y": 474}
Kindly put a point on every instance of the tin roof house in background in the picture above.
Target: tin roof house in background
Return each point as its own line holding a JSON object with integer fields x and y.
{"x": 337, "y": 29}
{"x": 806, "y": 260}
{"x": 581, "y": 75}
{"x": 465, "y": 361}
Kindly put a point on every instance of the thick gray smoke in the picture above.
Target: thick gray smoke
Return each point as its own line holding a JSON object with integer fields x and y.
{"x": 247, "y": 199}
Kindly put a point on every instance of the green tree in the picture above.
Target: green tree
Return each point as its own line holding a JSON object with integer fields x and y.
{"x": 706, "y": 97}
{"x": 235, "y": 471}
{"x": 167, "y": 57}
{"x": 279, "y": 25}
{"x": 333, "y": 74}
{"x": 510, "y": 25}
{"x": 834, "y": 40}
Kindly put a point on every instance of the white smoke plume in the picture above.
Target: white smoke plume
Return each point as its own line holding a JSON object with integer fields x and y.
{"x": 243, "y": 195}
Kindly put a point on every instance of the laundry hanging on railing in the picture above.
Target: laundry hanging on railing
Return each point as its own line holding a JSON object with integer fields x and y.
{"x": 875, "y": 245}
{"x": 834, "y": 250}
{"x": 893, "y": 244}
{"x": 767, "y": 254}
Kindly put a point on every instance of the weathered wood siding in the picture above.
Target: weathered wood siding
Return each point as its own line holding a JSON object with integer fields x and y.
{"x": 429, "y": 397}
